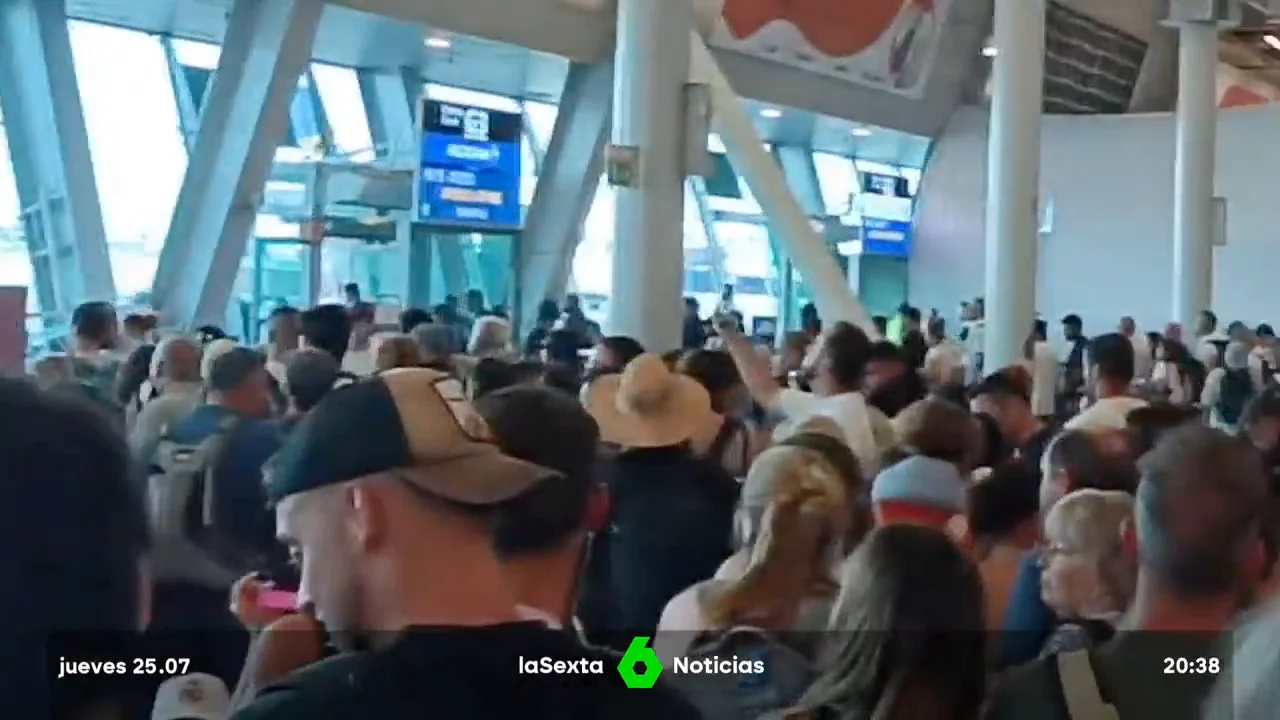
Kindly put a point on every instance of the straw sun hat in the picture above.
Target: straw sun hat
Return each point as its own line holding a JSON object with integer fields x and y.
{"x": 647, "y": 406}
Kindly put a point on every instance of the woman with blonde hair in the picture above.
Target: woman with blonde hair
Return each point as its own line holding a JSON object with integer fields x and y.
{"x": 1089, "y": 575}
{"x": 789, "y": 582}
{"x": 396, "y": 351}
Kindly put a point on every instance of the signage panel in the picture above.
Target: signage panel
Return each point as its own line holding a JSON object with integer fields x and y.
{"x": 469, "y": 167}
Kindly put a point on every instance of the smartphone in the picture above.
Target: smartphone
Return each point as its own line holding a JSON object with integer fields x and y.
{"x": 278, "y": 600}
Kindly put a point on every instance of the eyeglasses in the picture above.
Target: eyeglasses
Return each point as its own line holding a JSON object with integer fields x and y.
{"x": 1051, "y": 550}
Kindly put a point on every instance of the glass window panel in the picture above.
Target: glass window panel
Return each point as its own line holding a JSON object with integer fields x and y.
{"x": 913, "y": 180}
{"x": 542, "y": 120}
{"x": 15, "y": 262}
{"x": 838, "y": 181}
{"x": 196, "y": 54}
{"x": 871, "y": 166}
{"x": 198, "y": 81}
{"x": 448, "y": 93}
{"x": 749, "y": 265}
{"x": 130, "y": 113}
{"x": 339, "y": 90}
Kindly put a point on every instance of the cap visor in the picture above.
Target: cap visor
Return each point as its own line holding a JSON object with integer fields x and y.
{"x": 478, "y": 479}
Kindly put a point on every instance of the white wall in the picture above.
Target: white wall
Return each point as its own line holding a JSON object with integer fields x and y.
{"x": 1110, "y": 253}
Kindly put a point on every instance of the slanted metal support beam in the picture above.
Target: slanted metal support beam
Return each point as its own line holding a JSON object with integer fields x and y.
{"x": 49, "y": 148}
{"x": 702, "y": 199}
{"x": 267, "y": 46}
{"x": 806, "y": 248}
{"x": 390, "y": 102}
{"x": 566, "y": 188}
{"x": 802, "y": 178}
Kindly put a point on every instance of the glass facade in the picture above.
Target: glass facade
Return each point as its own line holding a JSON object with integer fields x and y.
{"x": 142, "y": 93}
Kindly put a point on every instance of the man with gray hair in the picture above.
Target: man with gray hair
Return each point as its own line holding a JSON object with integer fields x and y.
{"x": 438, "y": 343}
{"x": 175, "y": 375}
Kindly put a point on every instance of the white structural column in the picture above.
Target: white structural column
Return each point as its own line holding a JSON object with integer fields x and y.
{"x": 49, "y": 147}
{"x": 651, "y": 68}
{"x": 1013, "y": 179}
{"x": 787, "y": 219}
{"x": 244, "y": 118}
{"x": 1194, "y": 169}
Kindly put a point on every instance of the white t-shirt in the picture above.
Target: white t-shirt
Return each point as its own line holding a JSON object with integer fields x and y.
{"x": 360, "y": 363}
{"x": 849, "y": 410}
{"x": 1044, "y": 379}
{"x": 1106, "y": 414}
{"x": 1141, "y": 357}
{"x": 1207, "y": 351}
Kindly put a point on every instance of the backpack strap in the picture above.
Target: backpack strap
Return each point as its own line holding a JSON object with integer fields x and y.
{"x": 218, "y": 443}
{"x": 1080, "y": 688}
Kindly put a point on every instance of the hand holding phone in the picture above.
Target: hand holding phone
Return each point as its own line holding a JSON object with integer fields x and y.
{"x": 278, "y": 600}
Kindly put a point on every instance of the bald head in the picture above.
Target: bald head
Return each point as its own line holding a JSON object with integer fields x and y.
{"x": 1200, "y": 510}
{"x": 177, "y": 358}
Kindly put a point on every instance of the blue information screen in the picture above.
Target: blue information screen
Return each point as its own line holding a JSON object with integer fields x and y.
{"x": 886, "y": 237}
{"x": 469, "y": 170}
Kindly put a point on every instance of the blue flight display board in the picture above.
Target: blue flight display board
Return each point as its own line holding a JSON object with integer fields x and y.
{"x": 886, "y": 237}
{"x": 469, "y": 167}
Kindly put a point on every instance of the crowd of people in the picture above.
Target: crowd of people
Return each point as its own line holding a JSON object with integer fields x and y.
{"x": 352, "y": 520}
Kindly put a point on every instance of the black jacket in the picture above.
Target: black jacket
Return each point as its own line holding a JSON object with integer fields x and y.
{"x": 672, "y": 526}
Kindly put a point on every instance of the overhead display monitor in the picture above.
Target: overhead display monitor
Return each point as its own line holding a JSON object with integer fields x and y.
{"x": 469, "y": 167}
{"x": 886, "y": 237}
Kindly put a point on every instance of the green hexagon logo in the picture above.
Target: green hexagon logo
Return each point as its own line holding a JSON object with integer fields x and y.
{"x": 639, "y": 653}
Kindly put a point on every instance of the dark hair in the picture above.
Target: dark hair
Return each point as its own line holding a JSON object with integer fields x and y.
{"x": 562, "y": 377}
{"x": 881, "y": 323}
{"x": 1265, "y": 404}
{"x": 1199, "y": 511}
{"x": 993, "y": 445}
{"x": 1003, "y": 384}
{"x": 550, "y": 429}
{"x": 327, "y": 328}
{"x": 848, "y": 349}
{"x": 351, "y": 289}
{"x": 446, "y": 312}
{"x": 1040, "y": 329}
{"x": 1073, "y": 320}
{"x": 562, "y": 347}
{"x": 884, "y": 351}
{"x": 75, "y": 534}
{"x": 133, "y": 372}
{"x": 491, "y": 375}
{"x": 412, "y": 318}
{"x": 527, "y": 371}
{"x": 623, "y": 348}
{"x": 1003, "y": 500}
{"x": 283, "y": 310}
{"x": 1112, "y": 355}
{"x": 671, "y": 359}
{"x": 309, "y": 376}
{"x": 548, "y": 311}
{"x": 1264, "y": 330}
{"x": 911, "y": 313}
{"x": 206, "y": 334}
{"x": 1098, "y": 459}
{"x": 232, "y": 368}
{"x": 909, "y": 609}
{"x": 1148, "y": 424}
{"x": 94, "y": 320}
{"x": 936, "y": 328}
{"x": 714, "y": 370}
{"x": 1210, "y": 318}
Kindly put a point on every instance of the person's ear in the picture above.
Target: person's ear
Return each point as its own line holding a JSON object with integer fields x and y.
{"x": 1129, "y": 538}
{"x": 598, "y": 508}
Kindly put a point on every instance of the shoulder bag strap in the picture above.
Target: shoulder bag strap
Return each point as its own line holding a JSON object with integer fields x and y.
{"x": 219, "y": 443}
{"x": 1080, "y": 688}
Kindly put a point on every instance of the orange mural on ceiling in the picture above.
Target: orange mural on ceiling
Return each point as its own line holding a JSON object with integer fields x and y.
{"x": 837, "y": 28}
{"x": 1237, "y": 97}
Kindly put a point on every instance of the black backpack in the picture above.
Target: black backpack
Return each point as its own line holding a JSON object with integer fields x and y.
{"x": 1233, "y": 395}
